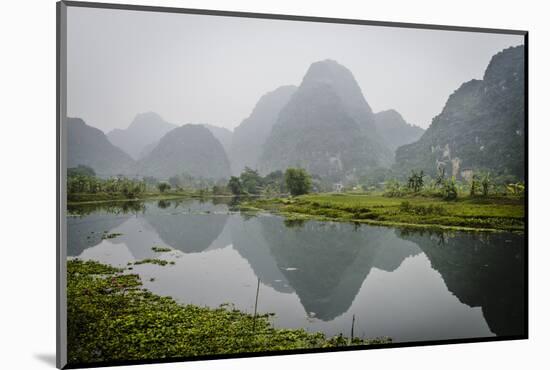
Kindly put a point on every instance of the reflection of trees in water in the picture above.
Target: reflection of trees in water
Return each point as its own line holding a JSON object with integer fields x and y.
{"x": 115, "y": 208}
{"x": 483, "y": 270}
{"x": 294, "y": 223}
{"x": 326, "y": 263}
{"x": 87, "y": 222}
{"x": 221, "y": 200}
{"x": 163, "y": 204}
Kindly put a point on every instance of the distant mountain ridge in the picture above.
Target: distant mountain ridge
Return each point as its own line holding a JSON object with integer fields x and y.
{"x": 190, "y": 149}
{"x": 141, "y": 135}
{"x": 89, "y": 146}
{"x": 326, "y": 126}
{"x": 224, "y": 136}
{"x": 481, "y": 127}
{"x": 250, "y": 136}
{"x": 395, "y": 130}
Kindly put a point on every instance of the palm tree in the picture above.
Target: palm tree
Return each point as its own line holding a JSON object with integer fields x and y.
{"x": 440, "y": 178}
{"x": 416, "y": 181}
{"x": 474, "y": 185}
{"x": 485, "y": 183}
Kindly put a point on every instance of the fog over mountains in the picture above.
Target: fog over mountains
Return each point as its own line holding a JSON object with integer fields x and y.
{"x": 250, "y": 136}
{"x": 143, "y": 133}
{"x": 189, "y": 149}
{"x": 326, "y": 126}
{"x": 224, "y": 136}
{"x": 87, "y": 145}
{"x": 395, "y": 130}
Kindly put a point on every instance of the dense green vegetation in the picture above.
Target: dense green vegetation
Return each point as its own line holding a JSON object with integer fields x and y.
{"x": 294, "y": 180}
{"x": 491, "y": 213}
{"x": 186, "y": 182}
{"x": 81, "y": 181}
{"x": 298, "y": 181}
{"x": 482, "y": 204}
{"x": 84, "y": 186}
{"x": 111, "y": 317}
{"x": 163, "y": 187}
{"x": 250, "y": 182}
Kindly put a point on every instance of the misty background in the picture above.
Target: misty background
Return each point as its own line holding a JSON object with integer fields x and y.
{"x": 212, "y": 69}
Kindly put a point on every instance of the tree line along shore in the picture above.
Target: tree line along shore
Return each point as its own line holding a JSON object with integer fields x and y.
{"x": 483, "y": 204}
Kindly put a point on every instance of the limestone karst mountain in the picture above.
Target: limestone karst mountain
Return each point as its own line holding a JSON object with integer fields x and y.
{"x": 327, "y": 127}
{"x": 395, "y": 130}
{"x": 141, "y": 135}
{"x": 190, "y": 149}
{"x": 481, "y": 127}
{"x": 224, "y": 136}
{"x": 250, "y": 136}
{"x": 89, "y": 146}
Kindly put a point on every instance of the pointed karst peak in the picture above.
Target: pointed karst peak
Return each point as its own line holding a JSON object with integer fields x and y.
{"x": 506, "y": 67}
{"x": 272, "y": 101}
{"x": 141, "y": 135}
{"x": 282, "y": 89}
{"x": 391, "y": 113}
{"x": 330, "y": 73}
{"x": 190, "y": 149}
{"x": 282, "y": 92}
{"x": 75, "y": 121}
{"x": 395, "y": 130}
{"x": 145, "y": 119}
{"x": 327, "y": 71}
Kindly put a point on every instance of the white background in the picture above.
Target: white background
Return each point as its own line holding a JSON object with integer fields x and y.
{"x": 27, "y": 209}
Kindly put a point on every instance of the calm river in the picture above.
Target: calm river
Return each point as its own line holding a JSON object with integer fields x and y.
{"x": 409, "y": 286}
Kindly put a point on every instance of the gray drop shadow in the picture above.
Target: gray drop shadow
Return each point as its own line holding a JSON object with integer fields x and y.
{"x": 47, "y": 358}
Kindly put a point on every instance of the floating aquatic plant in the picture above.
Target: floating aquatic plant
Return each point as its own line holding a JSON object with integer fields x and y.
{"x": 161, "y": 249}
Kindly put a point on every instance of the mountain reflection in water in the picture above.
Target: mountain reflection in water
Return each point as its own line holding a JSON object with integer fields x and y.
{"x": 407, "y": 285}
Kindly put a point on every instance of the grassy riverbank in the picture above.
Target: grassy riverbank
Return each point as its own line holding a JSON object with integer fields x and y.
{"x": 468, "y": 213}
{"x": 111, "y": 317}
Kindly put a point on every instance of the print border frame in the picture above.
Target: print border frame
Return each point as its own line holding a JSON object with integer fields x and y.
{"x": 61, "y": 175}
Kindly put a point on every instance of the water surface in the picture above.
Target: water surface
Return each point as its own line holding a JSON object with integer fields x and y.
{"x": 409, "y": 286}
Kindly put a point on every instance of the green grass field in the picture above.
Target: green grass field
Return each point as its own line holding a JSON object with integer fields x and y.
{"x": 466, "y": 213}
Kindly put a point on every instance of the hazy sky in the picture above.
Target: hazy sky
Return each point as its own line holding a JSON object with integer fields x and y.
{"x": 210, "y": 69}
